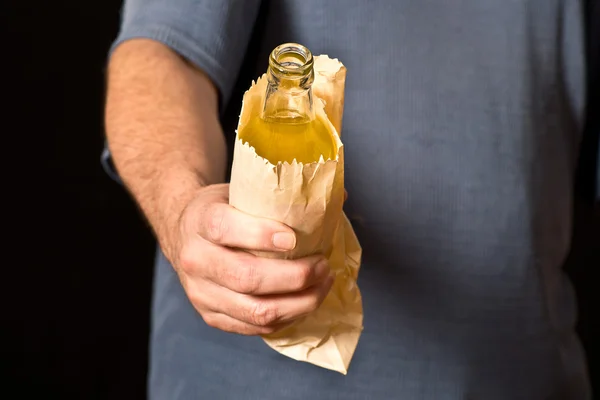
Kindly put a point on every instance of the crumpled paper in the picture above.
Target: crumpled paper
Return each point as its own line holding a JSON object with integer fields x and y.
{"x": 308, "y": 198}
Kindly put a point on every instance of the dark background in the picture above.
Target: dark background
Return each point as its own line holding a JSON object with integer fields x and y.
{"x": 79, "y": 292}
{"x": 76, "y": 283}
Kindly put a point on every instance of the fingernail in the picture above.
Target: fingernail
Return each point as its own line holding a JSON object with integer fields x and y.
{"x": 284, "y": 240}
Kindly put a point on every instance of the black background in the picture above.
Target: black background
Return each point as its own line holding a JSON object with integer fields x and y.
{"x": 77, "y": 267}
{"x": 78, "y": 290}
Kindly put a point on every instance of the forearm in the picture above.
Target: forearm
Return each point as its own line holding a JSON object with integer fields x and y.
{"x": 162, "y": 129}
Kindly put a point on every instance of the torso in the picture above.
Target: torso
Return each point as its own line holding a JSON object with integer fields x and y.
{"x": 461, "y": 126}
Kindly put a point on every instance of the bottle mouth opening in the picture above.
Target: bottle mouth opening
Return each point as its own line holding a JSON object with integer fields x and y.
{"x": 291, "y": 60}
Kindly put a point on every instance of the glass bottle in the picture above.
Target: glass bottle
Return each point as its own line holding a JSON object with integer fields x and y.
{"x": 287, "y": 127}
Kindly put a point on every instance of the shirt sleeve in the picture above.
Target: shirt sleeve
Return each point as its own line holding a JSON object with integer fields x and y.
{"x": 212, "y": 34}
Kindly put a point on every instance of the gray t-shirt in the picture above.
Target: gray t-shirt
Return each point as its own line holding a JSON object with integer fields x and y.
{"x": 461, "y": 129}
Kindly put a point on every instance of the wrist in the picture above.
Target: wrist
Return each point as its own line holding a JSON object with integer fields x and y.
{"x": 176, "y": 188}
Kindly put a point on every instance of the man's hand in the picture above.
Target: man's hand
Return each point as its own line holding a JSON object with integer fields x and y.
{"x": 232, "y": 289}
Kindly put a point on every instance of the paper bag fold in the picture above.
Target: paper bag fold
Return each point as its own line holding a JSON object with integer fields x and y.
{"x": 309, "y": 199}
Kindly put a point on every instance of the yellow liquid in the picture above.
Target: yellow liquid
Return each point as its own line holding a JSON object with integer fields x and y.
{"x": 279, "y": 141}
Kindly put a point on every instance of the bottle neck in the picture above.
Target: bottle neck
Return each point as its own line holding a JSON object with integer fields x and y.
{"x": 288, "y": 98}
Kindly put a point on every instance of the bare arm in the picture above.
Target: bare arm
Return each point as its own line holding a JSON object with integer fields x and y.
{"x": 162, "y": 129}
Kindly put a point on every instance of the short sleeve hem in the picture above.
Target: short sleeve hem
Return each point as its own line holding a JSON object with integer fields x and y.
{"x": 185, "y": 47}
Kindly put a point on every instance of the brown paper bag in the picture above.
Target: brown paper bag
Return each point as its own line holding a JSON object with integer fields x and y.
{"x": 309, "y": 199}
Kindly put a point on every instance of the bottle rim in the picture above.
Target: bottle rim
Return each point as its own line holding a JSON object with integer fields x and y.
{"x": 291, "y": 60}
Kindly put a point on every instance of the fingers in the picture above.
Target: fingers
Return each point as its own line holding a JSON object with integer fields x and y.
{"x": 232, "y": 325}
{"x": 245, "y": 273}
{"x": 224, "y": 225}
{"x": 231, "y": 288}
{"x": 276, "y": 309}
{"x": 251, "y": 313}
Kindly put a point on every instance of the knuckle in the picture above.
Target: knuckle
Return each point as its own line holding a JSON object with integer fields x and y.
{"x": 303, "y": 276}
{"x": 211, "y": 320}
{"x": 245, "y": 277}
{"x": 196, "y": 299}
{"x": 263, "y": 314}
{"x": 187, "y": 260}
{"x": 216, "y": 227}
